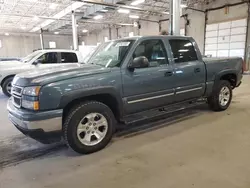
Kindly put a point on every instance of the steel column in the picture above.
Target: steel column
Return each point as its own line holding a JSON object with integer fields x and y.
{"x": 175, "y": 17}
{"x": 74, "y": 32}
{"x": 41, "y": 39}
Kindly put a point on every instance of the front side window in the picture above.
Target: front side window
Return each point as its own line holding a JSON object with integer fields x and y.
{"x": 111, "y": 54}
{"x": 49, "y": 58}
{"x": 153, "y": 50}
{"x": 183, "y": 51}
{"x": 68, "y": 57}
{"x": 29, "y": 57}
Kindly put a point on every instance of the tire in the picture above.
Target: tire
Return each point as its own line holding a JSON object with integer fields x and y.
{"x": 6, "y": 86}
{"x": 77, "y": 130}
{"x": 217, "y": 103}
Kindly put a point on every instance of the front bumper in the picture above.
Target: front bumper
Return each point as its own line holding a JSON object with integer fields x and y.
{"x": 44, "y": 127}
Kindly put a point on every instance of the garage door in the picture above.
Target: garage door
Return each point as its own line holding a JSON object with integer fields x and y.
{"x": 226, "y": 39}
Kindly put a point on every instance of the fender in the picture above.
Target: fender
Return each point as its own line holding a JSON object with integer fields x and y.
{"x": 223, "y": 73}
{"x": 78, "y": 94}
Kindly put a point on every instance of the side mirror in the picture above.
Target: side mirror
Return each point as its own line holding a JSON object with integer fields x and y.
{"x": 37, "y": 61}
{"x": 139, "y": 62}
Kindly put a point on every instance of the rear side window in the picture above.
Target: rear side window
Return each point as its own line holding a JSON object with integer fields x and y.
{"x": 67, "y": 57}
{"x": 183, "y": 51}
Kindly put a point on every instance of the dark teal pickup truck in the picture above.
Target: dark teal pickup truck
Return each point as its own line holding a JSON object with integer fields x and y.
{"x": 122, "y": 80}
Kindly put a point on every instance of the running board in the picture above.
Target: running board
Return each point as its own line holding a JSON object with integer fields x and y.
{"x": 155, "y": 113}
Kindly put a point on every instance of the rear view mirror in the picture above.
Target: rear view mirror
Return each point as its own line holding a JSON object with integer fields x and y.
{"x": 139, "y": 62}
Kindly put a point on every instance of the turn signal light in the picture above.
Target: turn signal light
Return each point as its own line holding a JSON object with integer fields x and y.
{"x": 36, "y": 105}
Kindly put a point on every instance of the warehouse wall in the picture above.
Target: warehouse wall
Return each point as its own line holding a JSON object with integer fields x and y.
{"x": 20, "y": 46}
{"x": 195, "y": 29}
{"x": 234, "y": 12}
{"x": 147, "y": 28}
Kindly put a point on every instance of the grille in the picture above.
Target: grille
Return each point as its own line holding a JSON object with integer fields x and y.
{"x": 17, "y": 95}
{"x": 17, "y": 90}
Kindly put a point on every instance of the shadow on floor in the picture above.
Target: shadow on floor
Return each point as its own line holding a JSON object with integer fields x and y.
{"x": 20, "y": 148}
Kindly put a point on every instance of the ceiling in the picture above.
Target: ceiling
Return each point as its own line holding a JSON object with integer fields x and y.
{"x": 22, "y": 16}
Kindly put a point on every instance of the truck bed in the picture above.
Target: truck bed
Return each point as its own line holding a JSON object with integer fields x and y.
{"x": 216, "y": 65}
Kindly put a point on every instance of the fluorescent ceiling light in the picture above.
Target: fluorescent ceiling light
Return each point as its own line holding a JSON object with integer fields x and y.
{"x": 7, "y": 34}
{"x": 97, "y": 17}
{"x": 183, "y": 6}
{"x": 188, "y": 44}
{"x": 56, "y": 33}
{"x": 123, "y": 11}
{"x": 84, "y": 30}
{"x": 36, "y": 28}
{"x": 61, "y": 14}
{"x": 53, "y": 6}
{"x": 134, "y": 16}
{"x": 183, "y": 50}
{"x": 35, "y": 18}
{"x": 137, "y": 2}
{"x": 104, "y": 10}
{"x": 30, "y": 0}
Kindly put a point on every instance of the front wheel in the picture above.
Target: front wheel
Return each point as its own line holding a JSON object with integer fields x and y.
{"x": 221, "y": 97}
{"x": 6, "y": 86}
{"x": 89, "y": 127}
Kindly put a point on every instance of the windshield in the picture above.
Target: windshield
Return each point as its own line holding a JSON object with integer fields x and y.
{"x": 111, "y": 54}
{"x": 30, "y": 56}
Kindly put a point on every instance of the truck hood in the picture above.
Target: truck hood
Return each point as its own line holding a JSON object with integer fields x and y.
{"x": 54, "y": 74}
{"x": 13, "y": 65}
{"x": 14, "y": 62}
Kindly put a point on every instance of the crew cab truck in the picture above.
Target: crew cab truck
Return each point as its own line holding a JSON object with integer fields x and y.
{"x": 123, "y": 79}
{"x": 39, "y": 59}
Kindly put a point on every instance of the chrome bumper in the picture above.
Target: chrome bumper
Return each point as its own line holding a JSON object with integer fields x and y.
{"x": 48, "y": 121}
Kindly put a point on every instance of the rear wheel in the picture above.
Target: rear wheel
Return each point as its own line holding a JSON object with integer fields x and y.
{"x": 6, "y": 86}
{"x": 221, "y": 96}
{"x": 89, "y": 127}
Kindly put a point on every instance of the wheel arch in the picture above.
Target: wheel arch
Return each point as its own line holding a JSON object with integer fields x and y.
{"x": 229, "y": 75}
{"x": 5, "y": 78}
{"x": 108, "y": 96}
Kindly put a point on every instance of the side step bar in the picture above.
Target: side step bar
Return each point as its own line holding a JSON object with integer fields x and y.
{"x": 156, "y": 113}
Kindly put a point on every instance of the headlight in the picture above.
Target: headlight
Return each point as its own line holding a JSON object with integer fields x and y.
{"x": 30, "y": 97}
{"x": 32, "y": 91}
{"x": 32, "y": 105}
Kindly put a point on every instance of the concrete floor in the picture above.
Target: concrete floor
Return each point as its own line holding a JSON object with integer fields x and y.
{"x": 203, "y": 149}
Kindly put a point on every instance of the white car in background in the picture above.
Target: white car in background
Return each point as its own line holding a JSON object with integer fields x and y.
{"x": 39, "y": 59}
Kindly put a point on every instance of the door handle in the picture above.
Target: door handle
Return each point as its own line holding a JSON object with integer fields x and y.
{"x": 169, "y": 73}
{"x": 196, "y": 70}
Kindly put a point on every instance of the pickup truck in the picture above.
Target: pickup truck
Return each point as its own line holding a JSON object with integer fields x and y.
{"x": 123, "y": 80}
{"x": 39, "y": 59}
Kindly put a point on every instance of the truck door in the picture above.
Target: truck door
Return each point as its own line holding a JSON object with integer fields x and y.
{"x": 189, "y": 71}
{"x": 48, "y": 59}
{"x": 150, "y": 87}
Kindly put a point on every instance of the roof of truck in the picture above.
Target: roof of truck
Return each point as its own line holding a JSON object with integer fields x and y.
{"x": 154, "y": 36}
{"x": 56, "y": 50}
